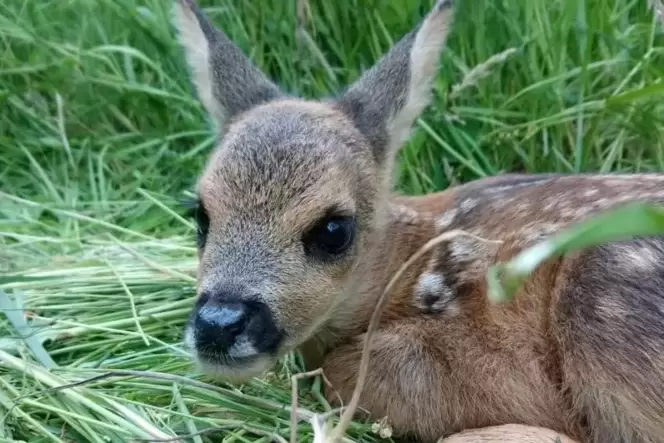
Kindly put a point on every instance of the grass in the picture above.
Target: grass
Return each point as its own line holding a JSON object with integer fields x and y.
{"x": 100, "y": 138}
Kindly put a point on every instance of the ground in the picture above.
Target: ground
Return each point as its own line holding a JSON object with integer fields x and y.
{"x": 101, "y": 139}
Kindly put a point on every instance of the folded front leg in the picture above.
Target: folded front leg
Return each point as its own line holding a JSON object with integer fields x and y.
{"x": 434, "y": 378}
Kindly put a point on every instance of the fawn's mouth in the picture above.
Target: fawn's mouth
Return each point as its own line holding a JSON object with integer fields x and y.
{"x": 235, "y": 370}
{"x": 237, "y": 363}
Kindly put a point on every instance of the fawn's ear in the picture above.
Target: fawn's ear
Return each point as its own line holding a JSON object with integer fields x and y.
{"x": 227, "y": 82}
{"x": 387, "y": 99}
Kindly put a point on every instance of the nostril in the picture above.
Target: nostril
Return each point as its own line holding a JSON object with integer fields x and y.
{"x": 218, "y": 324}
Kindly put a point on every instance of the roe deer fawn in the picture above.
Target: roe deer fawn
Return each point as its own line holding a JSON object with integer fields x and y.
{"x": 299, "y": 232}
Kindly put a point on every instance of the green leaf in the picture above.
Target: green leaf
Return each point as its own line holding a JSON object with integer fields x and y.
{"x": 625, "y": 222}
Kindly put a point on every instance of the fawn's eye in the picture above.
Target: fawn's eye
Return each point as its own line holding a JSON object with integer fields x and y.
{"x": 332, "y": 235}
{"x": 199, "y": 214}
{"x": 202, "y": 225}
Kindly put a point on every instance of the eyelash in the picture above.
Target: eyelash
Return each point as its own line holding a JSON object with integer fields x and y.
{"x": 196, "y": 211}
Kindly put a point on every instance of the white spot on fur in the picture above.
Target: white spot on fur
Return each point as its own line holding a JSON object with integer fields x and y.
{"x": 429, "y": 284}
{"x": 523, "y": 207}
{"x": 404, "y": 213}
{"x": 590, "y": 193}
{"x": 538, "y": 233}
{"x": 445, "y": 220}
{"x": 573, "y": 212}
{"x": 623, "y": 180}
{"x": 529, "y": 235}
{"x": 466, "y": 249}
{"x": 630, "y": 177}
{"x": 502, "y": 188}
{"x": 432, "y": 286}
{"x": 610, "y": 307}
{"x": 641, "y": 258}
{"x": 468, "y": 204}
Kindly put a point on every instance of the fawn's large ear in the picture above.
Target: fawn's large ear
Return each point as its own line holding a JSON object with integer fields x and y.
{"x": 227, "y": 82}
{"x": 387, "y": 99}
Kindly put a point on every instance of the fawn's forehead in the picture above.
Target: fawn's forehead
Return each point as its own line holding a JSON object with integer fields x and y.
{"x": 285, "y": 154}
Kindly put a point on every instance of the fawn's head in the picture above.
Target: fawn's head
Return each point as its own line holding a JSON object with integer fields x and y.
{"x": 293, "y": 192}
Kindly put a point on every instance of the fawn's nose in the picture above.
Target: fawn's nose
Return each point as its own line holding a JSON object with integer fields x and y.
{"x": 219, "y": 324}
{"x": 226, "y": 328}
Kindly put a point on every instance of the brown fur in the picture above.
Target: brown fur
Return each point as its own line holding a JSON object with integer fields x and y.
{"x": 474, "y": 364}
{"x": 579, "y": 353}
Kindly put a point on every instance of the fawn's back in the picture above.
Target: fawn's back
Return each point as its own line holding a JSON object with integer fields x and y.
{"x": 298, "y": 234}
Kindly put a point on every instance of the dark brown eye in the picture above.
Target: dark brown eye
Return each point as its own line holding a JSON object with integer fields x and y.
{"x": 202, "y": 226}
{"x": 331, "y": 236}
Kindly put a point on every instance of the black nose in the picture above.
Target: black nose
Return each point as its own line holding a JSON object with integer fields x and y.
{"x": 218, "y": 324}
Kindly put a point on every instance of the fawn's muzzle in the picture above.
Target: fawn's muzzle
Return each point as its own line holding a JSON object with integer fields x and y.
{"x": 228, "y": 329}
{"x": 218, "y": 327}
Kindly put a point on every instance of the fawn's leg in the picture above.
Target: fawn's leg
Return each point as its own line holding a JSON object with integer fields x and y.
{"x": 610, "y": 322}
{"x": 433, "y": 377}
{"x": 511, "y": 433}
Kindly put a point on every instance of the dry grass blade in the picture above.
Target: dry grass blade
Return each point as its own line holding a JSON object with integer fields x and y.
{"x": 295, "y": 395}
{"x": 482, "y": 70}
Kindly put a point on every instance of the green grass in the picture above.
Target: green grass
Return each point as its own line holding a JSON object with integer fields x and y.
{"x": 100, "y": 138}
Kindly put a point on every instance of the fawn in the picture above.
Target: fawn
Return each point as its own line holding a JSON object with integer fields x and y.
{"x": 299, "y": 232}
